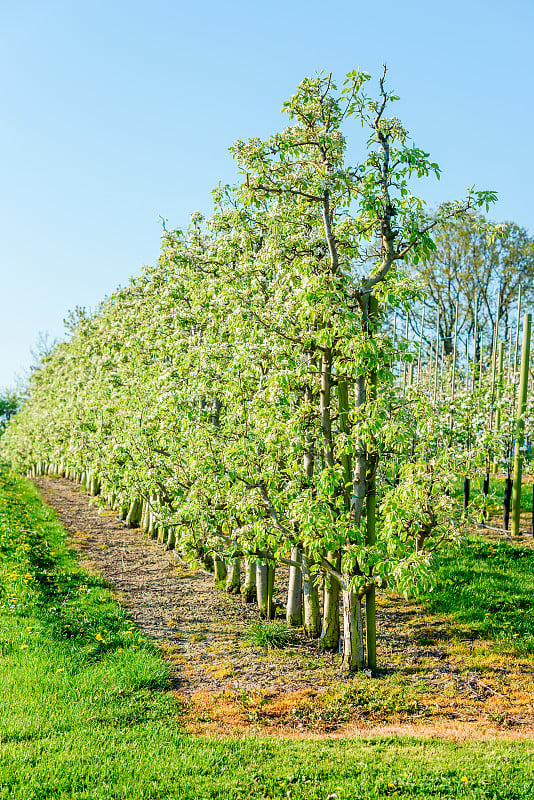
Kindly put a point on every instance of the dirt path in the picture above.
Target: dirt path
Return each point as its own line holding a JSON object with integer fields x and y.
{"x": 230, "y": 687}
{"x": 199, "y": 628}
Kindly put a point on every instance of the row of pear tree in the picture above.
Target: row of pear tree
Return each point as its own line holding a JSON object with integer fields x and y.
{"x": 238, "y": 399}
{"x": 484, "y": 397}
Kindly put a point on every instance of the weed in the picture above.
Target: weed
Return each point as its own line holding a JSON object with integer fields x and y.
{"x": 271, "y": 634}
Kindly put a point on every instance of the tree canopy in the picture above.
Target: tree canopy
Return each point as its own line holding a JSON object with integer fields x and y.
{"x": 245, "y": 383}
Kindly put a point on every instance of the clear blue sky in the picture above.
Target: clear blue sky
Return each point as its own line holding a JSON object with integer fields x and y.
{"x": 117, "y": 112}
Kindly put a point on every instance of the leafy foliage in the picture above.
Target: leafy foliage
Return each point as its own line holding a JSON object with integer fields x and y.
{"x": 244, "y": 384}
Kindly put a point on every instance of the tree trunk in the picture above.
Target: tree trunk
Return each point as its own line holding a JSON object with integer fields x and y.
{"x": 270, "y": 588}
{"x": 152, "y": 522}
{"x": 145, "y": 518}
{"x": 261, "y": 587}
{"x": 171, "y": 539}
{"x": 330, "y": 631}
{"x": 134, "y": 514}
{"x": 264, "y": 588}
{"x": 219, "y": 569}
{"x": 248, "y": 590}
{"x": 353, "y": 650}
{"x": 233, "y": 578}
{"x": 312, "y": 617}
{"x": 162, "y": 533}
{"x": 294, "y": 592}
{"x": 207, "y": 559}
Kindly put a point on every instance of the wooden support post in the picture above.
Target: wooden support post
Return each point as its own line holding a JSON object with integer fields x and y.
{"x": 404, "y": 368}
{"x": 455, "y": 352}
{"x": 506, "y": 503}
{"x": 520, "y": 423}
{"x": 467, "y": 488}
{"x": 475, "y": 335}
{"x": 496, "y": 393}
{"x": 420, "y": 345}
{"x": 437, "y": 360}
{"x": 517, "y": 329}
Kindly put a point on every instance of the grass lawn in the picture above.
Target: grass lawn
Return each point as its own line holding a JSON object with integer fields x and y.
{"x": 87, "y": 708}
{"x": 489, "y": 584}
{"x": 496, "y": 493}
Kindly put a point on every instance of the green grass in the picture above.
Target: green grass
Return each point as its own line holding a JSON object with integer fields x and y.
{"x": 496, "y": 493}
{"x": 490, "y": 586}
{"x": 87, "y": 710}
{"x": 271, "y": 634}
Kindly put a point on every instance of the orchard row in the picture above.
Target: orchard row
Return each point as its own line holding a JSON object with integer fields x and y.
{"x": 239, "y": 399}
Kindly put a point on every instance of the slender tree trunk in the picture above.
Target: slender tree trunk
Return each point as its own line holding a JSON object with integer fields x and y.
{"x": 310, "y": 605}
{"x": 171, "y": 539}
{"x": 145, "y": 516}
{"x": 95, "y": 487}
{"x": 134, "y": 514}
{"x": 152, "y": 521}
{"x": 206, "y": 557}
{"x": 261, "y": 588}
{"x": 294, "y": 592}
{"x": 330, "y": 630}
{"x": 370, "y": 529}
{"x": 353, "y": 649}
{"x": 248, "y": 590}
{"x": 161, "y": 533}
{"x": 233, "y": 578}
{"x": 312, "y": 617}
{"x": 220, "y": 570}
{"x": 270, "y": 588}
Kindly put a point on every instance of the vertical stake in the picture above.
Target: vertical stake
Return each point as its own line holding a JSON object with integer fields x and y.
{"x": 520, "y": 423}
{"x": 454, "y": 352}
{"x": 405, "y": 363}
{"x": 420, "y": 345}
{"x": 506, "y": 503}
{"x": 467, "y": 365}
{"x": 517, "y": 329}
{"x": 475, "y": 334}
{"x": 485, "y": 490}
{"x": 467, "y": 487}
{"x": 437, "y": 360}
{"x": 498, "y": 390}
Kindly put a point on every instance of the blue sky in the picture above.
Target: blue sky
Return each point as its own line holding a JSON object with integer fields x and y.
{"x": 116, "y": 113}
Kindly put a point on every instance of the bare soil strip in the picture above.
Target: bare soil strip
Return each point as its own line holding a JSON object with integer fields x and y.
{"x": 228, "y": 687}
